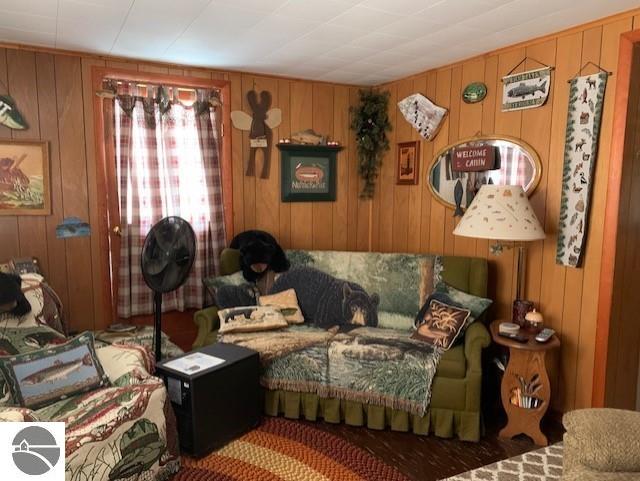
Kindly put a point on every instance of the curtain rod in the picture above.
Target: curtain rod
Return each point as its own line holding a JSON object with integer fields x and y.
{"x": 151, "y": 84}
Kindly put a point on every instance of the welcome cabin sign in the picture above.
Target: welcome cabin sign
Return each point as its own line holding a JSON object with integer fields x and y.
{"x": 474, "y": 158}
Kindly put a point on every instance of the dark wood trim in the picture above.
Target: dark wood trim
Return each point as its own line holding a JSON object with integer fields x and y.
{"x": 97, "y": 75}
{"x": 607, "y": 270}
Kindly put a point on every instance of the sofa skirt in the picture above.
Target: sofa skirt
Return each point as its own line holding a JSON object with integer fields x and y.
{"x": 444, "y": 423}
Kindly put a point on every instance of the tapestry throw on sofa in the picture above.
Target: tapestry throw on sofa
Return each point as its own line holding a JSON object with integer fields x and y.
{"x": 586, "y": 96}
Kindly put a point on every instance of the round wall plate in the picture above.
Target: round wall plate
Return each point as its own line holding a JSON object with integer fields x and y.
{"x": 474, "y": 92}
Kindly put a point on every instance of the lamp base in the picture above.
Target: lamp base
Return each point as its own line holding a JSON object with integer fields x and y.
{"x": 520, "y": 309}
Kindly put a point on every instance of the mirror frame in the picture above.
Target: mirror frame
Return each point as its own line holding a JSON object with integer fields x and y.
{"x": 525, "y": 146}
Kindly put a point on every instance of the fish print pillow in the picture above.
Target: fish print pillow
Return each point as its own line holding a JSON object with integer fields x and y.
{"x": 39, "y": 378}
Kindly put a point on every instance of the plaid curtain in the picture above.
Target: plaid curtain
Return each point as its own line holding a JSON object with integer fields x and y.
{"x": 167, "y": 163}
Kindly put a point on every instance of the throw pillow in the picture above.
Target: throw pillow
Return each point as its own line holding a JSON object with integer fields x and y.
{"x": 250, "y": 319}
{"x": 42, "y": 377}
{"x": 440, "y": 324}
{"x": 287, "y": 302}
{"x": 477, "y": 305}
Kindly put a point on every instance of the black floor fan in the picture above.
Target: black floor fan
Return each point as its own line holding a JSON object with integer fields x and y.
{"x": 167, "y": 256}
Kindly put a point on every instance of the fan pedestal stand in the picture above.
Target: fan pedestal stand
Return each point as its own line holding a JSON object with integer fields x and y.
{"x": 157, "y": 321}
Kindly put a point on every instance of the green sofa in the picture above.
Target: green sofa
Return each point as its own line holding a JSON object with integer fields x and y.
{"x": 456, "y": 391}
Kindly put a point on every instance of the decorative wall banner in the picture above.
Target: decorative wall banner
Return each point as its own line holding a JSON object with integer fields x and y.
{"x": 259, "y": 126}
{"x": 526, "y": 90}
{"x": 586, "y": 96}
{"x": 470, "y": 158}
{"x": 425, "y": 116}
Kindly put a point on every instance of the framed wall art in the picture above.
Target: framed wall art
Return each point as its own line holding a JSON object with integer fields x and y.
{"x": 408, "y": 163}
{"x": 308, "y": 172}
{"x": 24, "y": 178}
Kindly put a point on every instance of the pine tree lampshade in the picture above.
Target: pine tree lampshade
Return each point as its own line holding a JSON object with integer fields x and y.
{"x": 502, "y": 213}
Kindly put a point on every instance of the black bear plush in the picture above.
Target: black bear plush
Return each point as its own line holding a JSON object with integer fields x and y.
{"x": 12, "y": 299}
{"x": 327, "y": 301}
{"x": 259, "y": 253}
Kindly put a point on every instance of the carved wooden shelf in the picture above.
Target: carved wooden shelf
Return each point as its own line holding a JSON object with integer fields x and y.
{"x": 527, "y": 361}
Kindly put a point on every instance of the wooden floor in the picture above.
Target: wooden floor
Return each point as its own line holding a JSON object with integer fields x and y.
{"x": 428, "y": 458}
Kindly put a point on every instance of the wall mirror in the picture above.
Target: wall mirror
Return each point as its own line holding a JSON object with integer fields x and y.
{"x": 513, "y": 162}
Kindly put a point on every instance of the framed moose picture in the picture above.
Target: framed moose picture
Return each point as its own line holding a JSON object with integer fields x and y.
{"x": 408, "y": 163}
{"x": 24, "y": 178}
{"x": 308, "y": 172}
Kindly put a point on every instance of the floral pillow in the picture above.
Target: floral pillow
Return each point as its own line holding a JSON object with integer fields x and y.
{"x": 250, "y": 319}
{"x": 42, "y": 377}
{"x": 440, "y": 324}
{"x": 287, "y": 302}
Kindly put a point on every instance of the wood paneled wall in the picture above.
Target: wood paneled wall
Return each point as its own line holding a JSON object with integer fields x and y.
{"x": 408, "y": 218}
{"x": 53, "y": 90}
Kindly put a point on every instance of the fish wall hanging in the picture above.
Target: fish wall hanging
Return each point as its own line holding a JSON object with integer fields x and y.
{"x": 425, "y": 116}
{"x": 526, "y": 90}
{"x": 10, "y": 115}
{"x": 259, "y": 126}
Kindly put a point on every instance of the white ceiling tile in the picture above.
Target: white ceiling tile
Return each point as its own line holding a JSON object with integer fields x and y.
{"x": 364, "y": 18}
{"x": 315, "y": 11}
{"x": 361, "y": 67}
{"x": 84, "y": 10}
{"x": 388, "y": 58}
{"x": 421, "y": 47}
{"x": 411, "y": 27}
{"x": 351, "y": 53}
{"x": 90, "y": 35}
{"x": 225, "y": 18}
{"x": 286, "y": 27}
{"x": 252, "y": 5}
{"x": 342, "y": 76}
{"x": 28, "y": 22}
{"x": 47, "y": 8}
{"x": 454, "y": 11}
{"x": 453, "y": 35}
{"x": 353, "y": 41}
{"x": 511, "y": 14}
{"x": 398, "y": 7}
{"x": 378, "y": 41}
{"x": 22, "y": 36}
{"x": 328, "y": 63}
{"x": 336, "y": 34}
{"x": 152, "y": 26}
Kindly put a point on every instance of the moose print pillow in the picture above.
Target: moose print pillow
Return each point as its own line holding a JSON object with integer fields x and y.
{"x": 440, "y": 324}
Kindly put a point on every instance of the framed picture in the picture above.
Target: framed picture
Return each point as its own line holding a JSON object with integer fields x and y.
{"x": 408, "y": 163}
{"x": 24, "y": 178}
{"x": 308, "y": 172}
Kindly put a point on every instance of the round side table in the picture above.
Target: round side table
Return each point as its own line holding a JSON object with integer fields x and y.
{"x": 525, "y": 390}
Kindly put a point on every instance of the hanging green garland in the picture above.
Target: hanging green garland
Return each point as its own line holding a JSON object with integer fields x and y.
{"x": 370, "y": 122}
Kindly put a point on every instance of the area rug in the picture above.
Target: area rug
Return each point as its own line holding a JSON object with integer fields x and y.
{"x": 542, "y": 465}
{"x": 284, "y": 450}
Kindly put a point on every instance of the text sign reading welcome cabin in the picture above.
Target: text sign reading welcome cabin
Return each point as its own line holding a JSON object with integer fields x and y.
{"x": 473, "y": 158}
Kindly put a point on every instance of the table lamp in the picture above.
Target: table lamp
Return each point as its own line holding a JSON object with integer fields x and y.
{"x": 503, "y": 213}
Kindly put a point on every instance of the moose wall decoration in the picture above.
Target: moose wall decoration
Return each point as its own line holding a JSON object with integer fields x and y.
{"x": 259, "y": 127}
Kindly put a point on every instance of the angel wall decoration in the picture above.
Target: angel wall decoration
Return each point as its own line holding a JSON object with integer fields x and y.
{"x": 259, "y": 127}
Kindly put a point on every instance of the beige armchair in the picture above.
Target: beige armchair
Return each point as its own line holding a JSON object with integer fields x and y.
{"x": 601, "y": 445}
